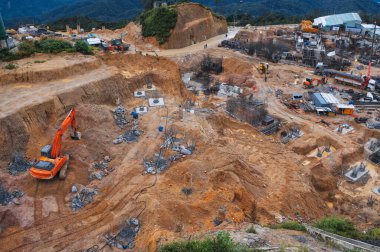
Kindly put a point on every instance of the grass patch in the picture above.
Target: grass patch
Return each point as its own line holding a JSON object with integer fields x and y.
{"x": 339, "y": 226}
{"x": 10, "y": 66}
{"x": 251, "y": 230}
{"x": 220, "y": 242}
{"x": 159, "y": 23}
{"x": 291, "y": 225}
{"x": 39, "y": 61}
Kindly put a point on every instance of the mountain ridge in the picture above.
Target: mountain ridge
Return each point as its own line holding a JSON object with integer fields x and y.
{"x": 115, "y": 10}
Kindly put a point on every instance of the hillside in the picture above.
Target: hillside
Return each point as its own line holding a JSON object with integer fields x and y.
{"x": 194, "y": 24}
{"x": 24, "y": 9}
{"x": 294, "y": 7}
{"x": 105, "y": 10}
{"x": 115, "y": 10}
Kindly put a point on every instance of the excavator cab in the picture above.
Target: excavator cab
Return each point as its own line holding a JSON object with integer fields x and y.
{"x": 52, "y": 161}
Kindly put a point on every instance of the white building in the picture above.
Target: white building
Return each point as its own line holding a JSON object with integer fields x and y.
{"x": 351, "y": 21}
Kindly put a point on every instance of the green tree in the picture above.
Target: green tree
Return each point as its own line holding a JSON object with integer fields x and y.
{"x": 82, "y": 47}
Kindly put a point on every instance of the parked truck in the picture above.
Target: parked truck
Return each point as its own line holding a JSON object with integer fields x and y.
{"x": 362, "y": 82}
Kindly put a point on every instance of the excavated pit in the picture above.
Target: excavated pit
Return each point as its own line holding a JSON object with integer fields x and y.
{"x": 236, "y": 174}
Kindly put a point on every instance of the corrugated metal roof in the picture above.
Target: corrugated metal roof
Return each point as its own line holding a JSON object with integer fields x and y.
{"x": 329, "y": 98}
{"x": 338, "y": 19}
{"x": 318, "y": 96}
{"x": 370, "y": 26}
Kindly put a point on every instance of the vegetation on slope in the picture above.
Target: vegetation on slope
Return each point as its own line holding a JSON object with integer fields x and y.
{"x": 290, "y": 225}
{"x": 346, "y": 228}
{"x": 221, "y": 242}
{"x": 159, "y": 23}
{"x": 28, "y": 48}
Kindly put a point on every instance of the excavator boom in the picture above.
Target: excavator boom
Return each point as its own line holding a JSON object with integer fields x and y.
{"x": 57, "y": 143}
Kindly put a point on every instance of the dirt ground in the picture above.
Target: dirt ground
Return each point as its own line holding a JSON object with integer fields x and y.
{"x": 236, "y": 173}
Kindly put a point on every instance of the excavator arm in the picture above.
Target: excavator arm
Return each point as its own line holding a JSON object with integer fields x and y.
{"x": 57, "y": 143}
{"x": 368, "y": 77}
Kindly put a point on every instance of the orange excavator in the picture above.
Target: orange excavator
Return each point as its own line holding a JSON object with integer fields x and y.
{"x": 312, "y": 83}
{"x": 52, "y": 161}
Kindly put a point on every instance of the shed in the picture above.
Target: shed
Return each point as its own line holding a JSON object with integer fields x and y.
{"x": 319, "y": 101}
{"x": 324, "y": 100}
{"x": 329, "y": 98}
{"x": 368, "y": 29}
{"x": 349, "y": 20}
{"x": 345, "y": 109}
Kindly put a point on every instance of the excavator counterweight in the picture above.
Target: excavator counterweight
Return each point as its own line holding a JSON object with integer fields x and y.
{"x": 52, "y": 161}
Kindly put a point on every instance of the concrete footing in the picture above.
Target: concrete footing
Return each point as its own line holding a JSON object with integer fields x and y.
{"x": 357, "y": 173}
{"x": 154, "y": 102}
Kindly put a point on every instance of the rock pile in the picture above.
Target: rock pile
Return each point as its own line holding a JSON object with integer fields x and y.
{"x": 131, "y": 135}
{"x": 82, "y": 197}
{"x": 119, "y": 116}
{"x": 101, "y": 169}
{"x": 18, "y": 165}
{"x": 125, "y": 239}
{"x": 6, "y": 196}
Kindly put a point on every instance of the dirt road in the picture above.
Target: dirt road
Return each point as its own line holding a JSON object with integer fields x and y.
{"x": 211, "y": 43}
{"x": 19, "y": 95}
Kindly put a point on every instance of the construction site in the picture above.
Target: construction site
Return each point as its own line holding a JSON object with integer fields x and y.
{"x": 136, "y": 148}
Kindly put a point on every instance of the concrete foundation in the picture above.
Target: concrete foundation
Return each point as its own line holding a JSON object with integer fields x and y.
{"x": 344, "y": 129}
{"x": 150, "y": 87}
{"x": 357, "y": 173}
{"x": 154, "y": 102}
{"x": 372, "y": 146}
{"x": 141, "y": 110}
{"x": 139, "y": 94}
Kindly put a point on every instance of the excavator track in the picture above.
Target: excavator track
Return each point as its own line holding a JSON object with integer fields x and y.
{"x": 62, "y": 172}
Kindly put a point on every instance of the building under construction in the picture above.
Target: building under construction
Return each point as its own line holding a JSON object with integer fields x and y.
{"x": 251, "y": 110}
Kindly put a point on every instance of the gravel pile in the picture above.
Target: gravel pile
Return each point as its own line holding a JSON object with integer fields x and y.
{"x": 18, "y": 165}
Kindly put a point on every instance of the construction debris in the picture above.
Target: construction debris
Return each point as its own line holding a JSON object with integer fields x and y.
{"x": 119, "y": 116}
{"x": 229, "y": 91}
{"x": 125, "y": 239}
{"x": 101, "y": 169}
{"x": 83, "y": 196}
{"x": 131, "y": 135}
{"x": 6, "y": 196}
{"x": 159, "y": 163}
{"x": 292, "y": 134}
{"x": 18, "y": 165}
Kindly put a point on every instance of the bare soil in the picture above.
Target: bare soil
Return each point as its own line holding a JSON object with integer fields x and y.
{"x": 250, "y": 176}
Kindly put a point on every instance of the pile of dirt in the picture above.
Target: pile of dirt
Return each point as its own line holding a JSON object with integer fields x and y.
{"x": 131, "y": 35}
{"x": 195, "y": 23}
{"x": 237, "y": 72}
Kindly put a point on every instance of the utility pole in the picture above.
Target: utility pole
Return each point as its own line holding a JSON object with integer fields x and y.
{"x": 373, "y": 41}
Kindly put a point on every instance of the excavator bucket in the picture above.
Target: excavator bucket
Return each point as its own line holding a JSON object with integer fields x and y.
{"x": 76, "y": 135}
